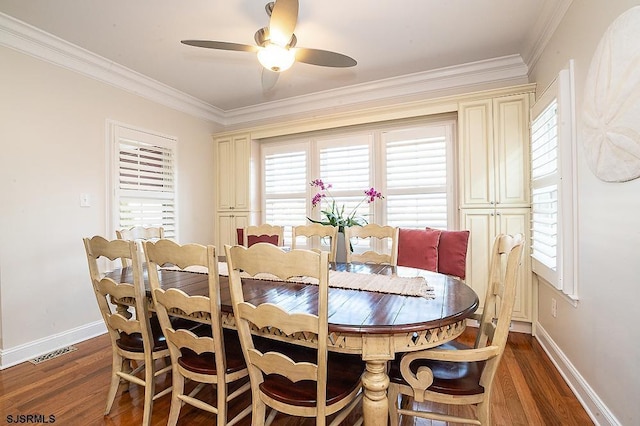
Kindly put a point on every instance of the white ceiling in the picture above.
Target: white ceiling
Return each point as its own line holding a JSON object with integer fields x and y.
{"x": 388, "y": 38}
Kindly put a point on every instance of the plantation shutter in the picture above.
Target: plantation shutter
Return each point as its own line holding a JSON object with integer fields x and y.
{"x": 416, "y": 177}
{"x": 345, "y": 164}
{"x": 285, "y": 186}
{"x": 544, "y": 173}
{"x": 145, "y": 182}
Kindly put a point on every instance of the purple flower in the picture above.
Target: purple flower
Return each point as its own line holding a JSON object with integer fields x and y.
{"x": 317, "y": 199}
{"x": 320, "y": 184}
{"x": 372, "y": 194}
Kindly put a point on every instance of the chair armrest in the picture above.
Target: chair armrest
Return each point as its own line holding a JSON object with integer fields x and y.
{"x": 459, "y": 355}
{"x": 422, "y": 379}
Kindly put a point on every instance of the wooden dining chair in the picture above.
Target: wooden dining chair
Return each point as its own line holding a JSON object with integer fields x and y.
{"x": 134, "y": 336}
{"x": 207, "y": 354}
{"x": 317, "y": 230}
{"x": 453, "y": 373}
{"x": 264, "y": 233}
{"x": 139, "y": 233}
{"x": 292, "y": 379}
{"x": 373, "y": 232}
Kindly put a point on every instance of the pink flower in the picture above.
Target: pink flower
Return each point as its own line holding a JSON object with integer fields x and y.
{"x": 317, "y": 199}
{"x": 320, "y": 184}
{"x": 334, "y": 214}
{"x": 372, "y": 194}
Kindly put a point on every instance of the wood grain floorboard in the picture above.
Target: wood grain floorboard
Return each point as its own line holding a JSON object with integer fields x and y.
{"x": 528, "y": 391}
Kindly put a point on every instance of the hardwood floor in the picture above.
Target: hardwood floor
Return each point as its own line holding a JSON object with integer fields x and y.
{"x": 73, "y": 387}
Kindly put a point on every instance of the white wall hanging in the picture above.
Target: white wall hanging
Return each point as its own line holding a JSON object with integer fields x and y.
{"x": 611, "y": 109}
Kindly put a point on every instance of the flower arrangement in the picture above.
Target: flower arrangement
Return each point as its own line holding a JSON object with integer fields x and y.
{"x": 336, "y": 216}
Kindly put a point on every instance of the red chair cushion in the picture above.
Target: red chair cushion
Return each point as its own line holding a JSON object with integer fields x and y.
{"x": 452, "y": 253}
{"x": 254, "y": 239}
{"x": 418, "y": 248}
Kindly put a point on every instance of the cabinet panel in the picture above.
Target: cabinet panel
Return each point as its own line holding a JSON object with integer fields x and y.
{"x": 224, "y": 151}
{"x": 233, "y": 161}
{"x": 242, "y": 172}
{"x": 494, "y": 152}
{"x": 511, "y": 148}
{"x": 514, "y": 221}
{"x": 484, "y": 225}
{"x": 227, "y": 225}
{"x": 476, "y": 152}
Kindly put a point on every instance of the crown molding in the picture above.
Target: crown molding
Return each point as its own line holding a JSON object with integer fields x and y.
{"x": 32, "y": 41}
{"x": 552, "y": 14}
{"x": 506, "y": 70}
{"x": 474, "y": 76}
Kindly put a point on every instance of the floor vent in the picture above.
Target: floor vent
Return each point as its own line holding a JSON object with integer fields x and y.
{"x": 52, "y": 355}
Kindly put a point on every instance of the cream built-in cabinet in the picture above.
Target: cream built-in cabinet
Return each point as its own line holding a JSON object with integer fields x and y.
{"x": 236, "y": 186}
{"x": 495, "y": 185}
{"x": 484, "y": 225}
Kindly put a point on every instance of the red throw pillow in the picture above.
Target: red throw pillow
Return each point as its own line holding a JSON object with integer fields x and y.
{"x": 452, "y": 253}
{"x": 418, "y": 248}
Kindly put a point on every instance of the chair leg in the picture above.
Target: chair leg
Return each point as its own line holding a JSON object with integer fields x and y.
{"x": 222, "y": 403}
{"x": 176, "y": 403}
{"x": 484, "y": 413}
{"x": 258, "y": 411}
{"x": 149, "y": 392}
{"x": 394, "y": 416}
{"x": 117, "y": 362}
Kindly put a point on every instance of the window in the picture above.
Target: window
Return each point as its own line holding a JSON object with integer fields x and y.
{"x": 285, "y": 186}
{"x": 144, "y": 179}
{"x": 417, "y": 161}
{"x": 412, "y": 165}
{"x": 552, "y": 181}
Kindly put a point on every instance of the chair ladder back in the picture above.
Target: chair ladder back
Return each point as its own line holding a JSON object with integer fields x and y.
{"x": 317, "y": 231}
{"x": 377, "y": 232}
{"x": 266, "y": 258}
{"x": 123, "y": 326}
{"x": 198, "y": 353}
{"x": 500, "y": 296}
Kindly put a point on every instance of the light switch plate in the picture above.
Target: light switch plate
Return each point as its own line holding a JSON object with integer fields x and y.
{"x": 85, "y": 200}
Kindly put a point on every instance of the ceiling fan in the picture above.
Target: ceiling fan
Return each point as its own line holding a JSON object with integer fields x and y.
{"x": 276, "y": 44}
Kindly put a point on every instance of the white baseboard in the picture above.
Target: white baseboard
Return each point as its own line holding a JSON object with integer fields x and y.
{"x": 594, "y": 406}
{"x": 18, "y": 354}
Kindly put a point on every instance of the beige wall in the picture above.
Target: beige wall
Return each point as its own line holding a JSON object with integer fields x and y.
{"x": 599, "y": 337}
{"x": 52, "y": 134}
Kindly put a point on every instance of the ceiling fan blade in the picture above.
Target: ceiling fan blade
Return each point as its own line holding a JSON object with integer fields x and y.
{"x": 269, "y": 79}
{"x": 221, "y": 45}
{"x": 283, "y": 21}
{"x": 324, "y": 58}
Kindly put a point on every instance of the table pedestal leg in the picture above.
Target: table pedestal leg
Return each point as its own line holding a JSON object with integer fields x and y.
{"x": 375, "y": 405}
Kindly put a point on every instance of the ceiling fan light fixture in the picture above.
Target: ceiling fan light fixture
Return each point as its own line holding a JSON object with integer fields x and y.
{"x": 276, "y": 58}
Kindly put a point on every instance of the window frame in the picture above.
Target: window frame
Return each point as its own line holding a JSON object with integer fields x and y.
{"x": 377, "y": 174}
{"x": 115, "y": 133}
{"x": 564, "y": 278}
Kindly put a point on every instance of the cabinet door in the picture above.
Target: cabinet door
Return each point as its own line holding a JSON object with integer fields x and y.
{"x": 485, "y": 225}
{"x": 514, "y": 221}
{"x": 224, "y": 173}
{"x": 227, "y": 225}
{"x": 233, "y": 160}
{"x": 475, "y": 128}
{"x": 242, "y": 172}
{"x": 482, "y": 226}
{"x": 511, "y": 150}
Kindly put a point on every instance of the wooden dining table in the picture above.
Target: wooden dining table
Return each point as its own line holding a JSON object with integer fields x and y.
{"x": 372, "y": 324}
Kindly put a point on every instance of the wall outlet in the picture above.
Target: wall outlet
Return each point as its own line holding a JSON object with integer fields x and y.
{"x": 554, "y": 308}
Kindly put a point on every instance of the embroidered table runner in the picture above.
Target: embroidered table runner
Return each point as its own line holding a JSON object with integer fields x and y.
{"x": 407, "y": 286}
